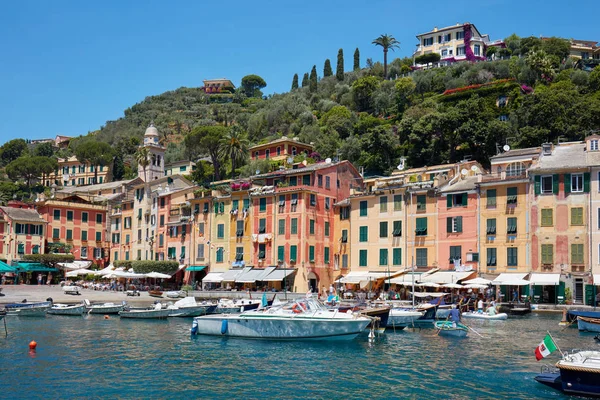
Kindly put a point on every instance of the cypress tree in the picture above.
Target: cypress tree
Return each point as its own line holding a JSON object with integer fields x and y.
{"x": 295, "y": 82}
{"x": 356, "y": 59}
{"x": 312, "y": 83}
{"x": 339, "y": 72}
{"x": 327, "y": 71}
{"x": 305, "y": 80}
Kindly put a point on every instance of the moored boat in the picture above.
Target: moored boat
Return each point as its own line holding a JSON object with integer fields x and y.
{"x": 155, "y": 293}
{"x": 573, "y": 314}
{"x": 485, "y": 316}
{"x": 400, "y": 318}
{"x": 67, "y": 309}
{"x": 576, "y": 374}
{"x": 189, "y": 307}
{"x": 235, "y": 306}
{"x": 2, "y": 314}
{"x": 156, "y": 312}
{"x": 176, "y": 294}
{"x": 306, "y": 319}
{"x": 447, "y": 328}
{"x": 103, "y": 308}
{"x": 37, "y": 309}
{"x": 588, "y": 324}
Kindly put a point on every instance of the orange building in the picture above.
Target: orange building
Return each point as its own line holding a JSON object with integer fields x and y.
{"x": 280, "y": 149}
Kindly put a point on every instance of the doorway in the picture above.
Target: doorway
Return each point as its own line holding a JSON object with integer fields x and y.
{"x": 578, "y": 295}
{"x": 313, "y": 282}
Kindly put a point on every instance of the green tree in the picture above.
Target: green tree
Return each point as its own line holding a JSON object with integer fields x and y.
{"x": 44, "y": 149}
{"x": 143, "y": 158}
{"x": 118, "y": 169}
{"x": 98, "y": 154}
{"x": 339, "y": 71}
{"x": 203, "y": 174}
{"x": 252, "y": 84}
{"x": 356, "y": 59}
{"x": 312, "y": 83}
{"x": 30, "y": 168}
{"x": 235, "y": 146}
{"x": 557, "y": 47}
{"x": 327, "y": 71}
{"x": 405, "y": 87}
{"x": 387, "y": 42}
{"x": 594, "y": 79}
{"x": 539, "y": 62}
{"x": 204, "y": 140}
{"x": 379, "y": 150}
{"x": 12, "y": 150}
{"x": 295, "y": 82}
{"x": 362, "y": 90}
{"x": 305, "y": 80}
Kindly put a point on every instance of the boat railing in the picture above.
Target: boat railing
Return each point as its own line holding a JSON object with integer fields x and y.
{"x": 548, "y": 369}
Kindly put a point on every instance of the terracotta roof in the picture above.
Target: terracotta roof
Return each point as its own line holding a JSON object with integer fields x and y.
{"x": 23, "y": 214}
{"x": 530, "y": 151}
{"x": 281, "y": 140}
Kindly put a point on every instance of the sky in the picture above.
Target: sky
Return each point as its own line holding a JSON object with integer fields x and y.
{"x": 67, "y": 67}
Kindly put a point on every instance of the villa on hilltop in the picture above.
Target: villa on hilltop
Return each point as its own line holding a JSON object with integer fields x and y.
{"x": 215, "y": 86}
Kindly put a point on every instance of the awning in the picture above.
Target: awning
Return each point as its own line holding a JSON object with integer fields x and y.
{"x": 406, "y": 279}
{"x": 229, "y": 276}
{"x": 265, "y": 272}
{"x": 596, "y": 279}
{"x": 213, "y": 277}
{"x": 35, "y": 267}
{"x": 355, "y": 277}
{"x": 4, "y": 267}
{"x": 75, "y": 265}
{"x": 279, "y": 275}
{"x": 447, "y": 276}
{"x": 249, "y": 276}
{"x": 511, "y": 279}
{"x": 195, "y": 268}
{"x": 544, "y": 279}
{"x": 477, "y": 281}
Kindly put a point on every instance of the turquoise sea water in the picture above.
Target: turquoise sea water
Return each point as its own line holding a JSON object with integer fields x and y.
{"x": 89, "y": 357}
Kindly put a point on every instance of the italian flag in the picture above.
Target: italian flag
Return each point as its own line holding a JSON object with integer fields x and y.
{"x": 545, "y": 348}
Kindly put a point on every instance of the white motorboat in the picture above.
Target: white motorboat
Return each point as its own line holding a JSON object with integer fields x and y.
{"x": 75, "y": 290}
{"x": 103, "y": 308}
{"x": 156, "y": 312}
{"x": 577, "y": 373}
{"x": 485, "y": 316}
{"x": 305, "y": 319}
{"x": 38, "y": 309}
{"x": 188, "y": 307}
{"x": 67, "y": 309}
{"x": 176, "y": 294}
{"x": 235, "y": 306}
{"x": 401, "y": 318}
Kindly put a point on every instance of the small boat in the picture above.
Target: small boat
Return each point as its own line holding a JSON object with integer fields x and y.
{"x": 74, "y": 290}
{"x": 305, "y": 319}
{"x": 400, "y": 318}
{"x": 188, "y": 307}
{"x": 588, "y": 324}
{"x": 25, "y": 309}
{"x": 156, "y": 312}
{"x": 2, "y": 314}
{"x": 67, "y": 309}
{"x": 447, "y": 328}
{"x": 573, "y": 314}
{"x": 485, "y": 316}
{"x": 576, "y": 374}
{"x": 104, "y": 308}
{"x": 235, "y": 306}
{"x": 176, "y": 294}
{"x": 155, "y": 293}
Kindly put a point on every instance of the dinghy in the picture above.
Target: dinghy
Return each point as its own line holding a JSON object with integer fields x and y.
{"x": 447, "y": 328}
{"x": 485, "y": 316}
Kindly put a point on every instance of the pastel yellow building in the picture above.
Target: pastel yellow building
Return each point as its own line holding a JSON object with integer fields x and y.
{"x": 72, "y": 172}
{"x": 584, "y": 49}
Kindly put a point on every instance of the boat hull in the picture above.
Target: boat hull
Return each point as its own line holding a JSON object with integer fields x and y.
{"x": 280, "y": 328}
{"x": 447, "y": 329}
{"x": 484, "y": 316}
{"x": 28, "y": 309}
{"x": 105, "y": 309}
{"x": 400, "y": 319}
{"x": 588, "y": 324}
{"x": 144, "y": 314}
{"x": 192, "y": 311}
{"x": 572, "y": 314}
{"x": 66, "y": 310}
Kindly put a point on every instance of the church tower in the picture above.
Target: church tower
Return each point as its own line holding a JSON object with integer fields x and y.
{"x": 156, "y": 156}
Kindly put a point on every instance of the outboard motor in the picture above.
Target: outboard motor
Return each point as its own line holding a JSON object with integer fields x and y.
{"x": 194, "y": 327}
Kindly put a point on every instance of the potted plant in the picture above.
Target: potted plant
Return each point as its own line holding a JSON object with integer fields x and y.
{"x": 568, "y": 296}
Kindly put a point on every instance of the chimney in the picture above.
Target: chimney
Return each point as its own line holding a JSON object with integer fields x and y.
{"x": 547, "y": 149}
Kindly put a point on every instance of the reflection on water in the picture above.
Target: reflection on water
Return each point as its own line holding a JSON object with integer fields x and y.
{"x": 93, "y": 357}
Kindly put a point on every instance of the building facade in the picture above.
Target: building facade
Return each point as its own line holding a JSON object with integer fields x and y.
{"x": 280, "y": 149}
{"x": 22, "y": 232}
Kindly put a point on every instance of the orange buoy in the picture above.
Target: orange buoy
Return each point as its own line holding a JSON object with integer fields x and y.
{"x": 32, "y": 345}
{"x": 106, "y": 317}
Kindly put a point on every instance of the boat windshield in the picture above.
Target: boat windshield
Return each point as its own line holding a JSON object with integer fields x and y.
{"x": 304, "y": 305}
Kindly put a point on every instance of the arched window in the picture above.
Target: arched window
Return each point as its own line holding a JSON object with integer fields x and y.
{"x": 515, "y": 169}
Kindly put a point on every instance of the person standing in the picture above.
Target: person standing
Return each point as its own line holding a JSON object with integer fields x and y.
{"x": 454, "y": 316}
{"x": 480, "y": 306}
{"x": 39, "y": 279}
{"x": 49, "y": 281}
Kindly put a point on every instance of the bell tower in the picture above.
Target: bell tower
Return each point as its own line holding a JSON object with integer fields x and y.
{"x": 156, "y": 156}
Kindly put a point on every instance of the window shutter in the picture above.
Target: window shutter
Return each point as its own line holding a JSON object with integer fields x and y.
{"x": 449, "y": 201}
{"x": 555, "y": 183}
{"x": 538, "y": 184}
{"x": 567, "y": 178}
{"x": 449, "y": 224}
{"x": 221, "y": 207}
{"x": 458, "y": 224}
{"x": 586, "y": 182}
{"x": 465, "y": 199}
{"x": 216, "y": 208}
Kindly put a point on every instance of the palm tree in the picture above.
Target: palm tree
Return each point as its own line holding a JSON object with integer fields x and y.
{"x": 142, "y": 157}
{"x": 387, "y": 42}
{"x": 235, "y": 146}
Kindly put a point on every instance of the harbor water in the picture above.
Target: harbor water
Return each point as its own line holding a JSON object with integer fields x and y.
{"x": 93, "y": 357}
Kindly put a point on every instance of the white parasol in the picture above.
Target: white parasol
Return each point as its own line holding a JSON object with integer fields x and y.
{"x": 157, "y": 275}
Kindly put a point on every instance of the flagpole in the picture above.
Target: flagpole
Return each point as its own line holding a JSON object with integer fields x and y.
{"x": 554, "y": 341}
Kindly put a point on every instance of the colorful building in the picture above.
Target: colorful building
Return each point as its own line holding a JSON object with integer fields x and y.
{"x": 183, "y": 167}
{"x": 22, "y": 232}
{"x": 460, "y": 42}
{"x": 280, "y": 149}
{"x": 72, "y": 172}
{"x": 213, "y": 86}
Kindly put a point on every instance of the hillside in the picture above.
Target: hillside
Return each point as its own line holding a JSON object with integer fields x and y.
{"x": 532, "y": 95}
